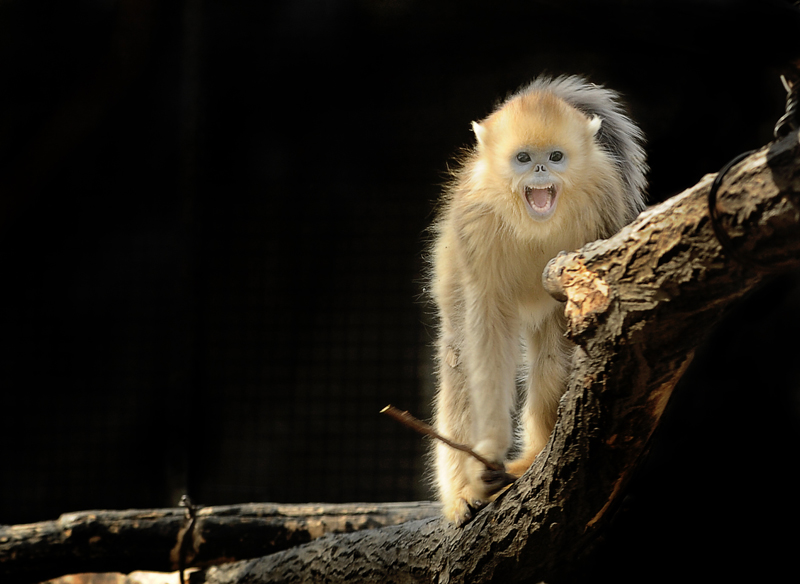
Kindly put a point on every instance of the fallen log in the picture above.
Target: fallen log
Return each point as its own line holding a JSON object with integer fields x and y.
{"x": 151, "y": 539}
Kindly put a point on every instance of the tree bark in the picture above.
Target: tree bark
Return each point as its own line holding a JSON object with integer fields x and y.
{"x": 151, "y": 539}
{"x": 638, "y": 305}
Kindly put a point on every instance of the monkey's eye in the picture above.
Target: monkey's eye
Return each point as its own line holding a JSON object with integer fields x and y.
{"x": 556, "y": 155}
{"x": 523, "y": 157}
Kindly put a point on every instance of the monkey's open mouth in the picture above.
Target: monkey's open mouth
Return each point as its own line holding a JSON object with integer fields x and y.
{"x": 541, "y": 200}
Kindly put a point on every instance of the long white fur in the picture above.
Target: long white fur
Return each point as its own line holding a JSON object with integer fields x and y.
{"x": 487, "y": 262}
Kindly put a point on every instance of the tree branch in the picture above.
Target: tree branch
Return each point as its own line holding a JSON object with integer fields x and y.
{"x": 150, "y": 539}
{"x": 427, "y": 430}
{"x": 638, "y": 305}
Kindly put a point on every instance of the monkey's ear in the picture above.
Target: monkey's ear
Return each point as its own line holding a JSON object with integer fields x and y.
{"x": 594, "y": 125}
{"x": 480, "y": 133}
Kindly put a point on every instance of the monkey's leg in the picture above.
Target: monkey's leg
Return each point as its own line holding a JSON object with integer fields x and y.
{"x": 548, "y": 361}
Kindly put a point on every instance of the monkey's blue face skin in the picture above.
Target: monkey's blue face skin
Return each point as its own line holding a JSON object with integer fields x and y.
{"x": 539, "y": 183}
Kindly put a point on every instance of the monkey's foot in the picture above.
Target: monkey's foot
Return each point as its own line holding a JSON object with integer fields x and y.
{"x": 460, "y": 512}
{"x": 463, "y": 507}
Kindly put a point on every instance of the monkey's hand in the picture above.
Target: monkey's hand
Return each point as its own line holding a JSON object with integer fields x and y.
{"x": 494, "y": 480}
{"x": 487, "y": 481}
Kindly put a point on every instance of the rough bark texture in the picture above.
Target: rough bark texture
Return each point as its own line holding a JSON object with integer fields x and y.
{"x": 638, "y": 306}
{"x": 150, "y": 539}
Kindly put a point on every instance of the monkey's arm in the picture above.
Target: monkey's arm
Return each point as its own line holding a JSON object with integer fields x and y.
{"x": 478, "y": 338}
{"x": 490, "y": 356}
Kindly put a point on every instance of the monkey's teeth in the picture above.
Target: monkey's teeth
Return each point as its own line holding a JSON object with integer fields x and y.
{"x": 540, "y": 198}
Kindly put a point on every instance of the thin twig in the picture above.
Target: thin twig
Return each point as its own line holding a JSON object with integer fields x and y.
{"x": 427, "y": 429}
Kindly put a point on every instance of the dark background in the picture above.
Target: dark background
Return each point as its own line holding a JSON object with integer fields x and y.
{"x": 212, "y": 220}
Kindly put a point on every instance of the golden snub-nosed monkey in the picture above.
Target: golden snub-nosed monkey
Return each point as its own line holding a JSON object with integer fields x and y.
{"x": 558, "y": 164}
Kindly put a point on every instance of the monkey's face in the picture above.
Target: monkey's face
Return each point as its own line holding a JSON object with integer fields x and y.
{"x": 538, "y": 173}
{"x": 535, "y": 149}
